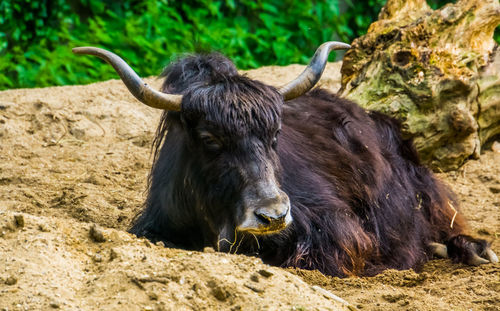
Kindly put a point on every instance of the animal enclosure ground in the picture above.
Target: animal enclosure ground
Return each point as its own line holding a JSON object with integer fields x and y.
{"x": 75, "y": 156}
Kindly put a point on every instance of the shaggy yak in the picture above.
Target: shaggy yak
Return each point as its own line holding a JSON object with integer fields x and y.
{"x": 297, "y": 178}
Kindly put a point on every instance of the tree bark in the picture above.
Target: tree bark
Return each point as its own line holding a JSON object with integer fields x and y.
{"x": 437, "y": 71}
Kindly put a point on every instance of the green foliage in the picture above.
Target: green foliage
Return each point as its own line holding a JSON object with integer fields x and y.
{"x": 36, "y": 36}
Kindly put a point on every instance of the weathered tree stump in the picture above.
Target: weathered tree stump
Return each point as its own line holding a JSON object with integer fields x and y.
{"x": 437, "y": 71}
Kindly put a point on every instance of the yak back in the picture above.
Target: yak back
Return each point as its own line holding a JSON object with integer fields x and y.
{"x": 361, "y": 200}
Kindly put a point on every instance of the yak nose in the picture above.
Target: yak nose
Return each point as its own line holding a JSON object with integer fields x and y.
{"x": 268, "y": 216}
{"x": 265, "y": 208}
{"x": 272, "y": 216}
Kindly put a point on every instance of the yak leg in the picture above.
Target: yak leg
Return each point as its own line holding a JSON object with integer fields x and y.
{"x": 465, "y": 249}
{"x": 452, "y": 226}
{"x": 469, "y": 250}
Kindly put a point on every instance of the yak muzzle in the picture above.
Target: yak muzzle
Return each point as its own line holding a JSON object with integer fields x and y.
{"x": 267, "y": 216}
{"x": 273, "y": 217}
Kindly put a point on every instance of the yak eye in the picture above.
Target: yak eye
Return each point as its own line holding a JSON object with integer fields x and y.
{"x": 210, "y": 142}
{"x": 275, "y": 138}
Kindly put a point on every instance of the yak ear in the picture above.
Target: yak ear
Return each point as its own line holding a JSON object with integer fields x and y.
{"x": 182, "y": 118}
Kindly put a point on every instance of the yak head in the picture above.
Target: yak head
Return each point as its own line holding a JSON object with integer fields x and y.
{"x": 224, "y": 130}
{"x": 231, "y": 127}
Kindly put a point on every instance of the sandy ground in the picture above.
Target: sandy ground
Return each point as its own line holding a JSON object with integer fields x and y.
{"x": 76, "y": 157}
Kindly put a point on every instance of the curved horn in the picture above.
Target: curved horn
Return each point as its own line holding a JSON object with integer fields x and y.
{"x": 310, "y": 76}
{"x": 141, "y": 90}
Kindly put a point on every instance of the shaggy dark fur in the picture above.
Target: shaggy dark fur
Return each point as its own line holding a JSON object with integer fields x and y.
{"x": 361, "y": 201}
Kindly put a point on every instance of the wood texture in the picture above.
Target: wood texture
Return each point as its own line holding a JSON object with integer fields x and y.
{"x": 438, "y": 71}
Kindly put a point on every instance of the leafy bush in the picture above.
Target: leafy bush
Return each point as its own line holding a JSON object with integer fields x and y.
{"x": 36, "y": 36}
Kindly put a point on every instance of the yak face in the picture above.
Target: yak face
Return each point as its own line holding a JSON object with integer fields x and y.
{"x": 232, "y": 126}
{"x": 233, "y": 130}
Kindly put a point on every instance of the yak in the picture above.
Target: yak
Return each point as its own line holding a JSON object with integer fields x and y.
{"x": 298, "y": 177}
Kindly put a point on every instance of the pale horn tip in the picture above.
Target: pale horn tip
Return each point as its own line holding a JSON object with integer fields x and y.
{"x": 79, "y": 49}
{"x": 341, "y": 46}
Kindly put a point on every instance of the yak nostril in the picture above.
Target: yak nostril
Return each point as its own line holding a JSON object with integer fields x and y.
{"x": 267, "y": 219}
{"x": 263, "y": 218}
{"x": 270, "y": 217}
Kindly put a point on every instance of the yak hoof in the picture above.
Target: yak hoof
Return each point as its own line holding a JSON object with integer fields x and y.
{"x": 476, "y": 260}
{"x": 439, "y": 249}
{"x": 491, "y": 256}
{"x": 486, "y": 257}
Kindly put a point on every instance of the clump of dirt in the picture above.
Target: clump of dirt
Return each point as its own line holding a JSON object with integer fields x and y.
{"x": 74, "y": 162}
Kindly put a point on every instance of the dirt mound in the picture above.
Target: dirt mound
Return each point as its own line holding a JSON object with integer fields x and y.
{"x": 77, "y": 156}
{"x": 61, "y": 263}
